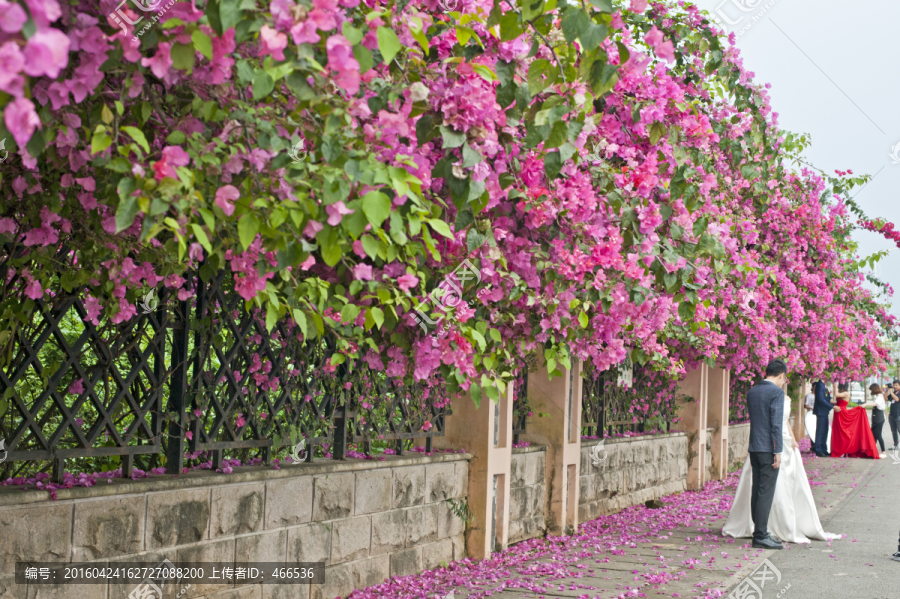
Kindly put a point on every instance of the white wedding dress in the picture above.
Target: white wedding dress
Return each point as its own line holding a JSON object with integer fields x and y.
{"x": 793, "y": 518}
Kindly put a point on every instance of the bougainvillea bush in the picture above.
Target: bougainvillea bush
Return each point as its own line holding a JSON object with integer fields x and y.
{"x": 610, "y": 171}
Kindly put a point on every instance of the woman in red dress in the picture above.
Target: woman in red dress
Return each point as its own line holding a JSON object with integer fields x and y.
{"x": 851, "y": 435}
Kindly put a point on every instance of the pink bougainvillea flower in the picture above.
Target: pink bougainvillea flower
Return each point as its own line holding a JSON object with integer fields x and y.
{"x": 638, "y": 5}
{"x": 663, "y": 49}
{"x": 189, "y": 435}
{"x": 340, "y": 59}
{"x": 312, "y": 228}
{"x": 176, "y": 156}
{"x": 362, "y": 272}
{"x": 161, "y": 61}
{"x": 225, "y": 195}
{"x": 34, "y": 290}
{"x": 77, "y": 387}
{"x": 12, "y": 61}
{"x": 336, "y": 212}
{"x": 407, "y": 282}
{"x": 21, "y": 120}
{"x": 46, "y": 53}
{"x": 12, "y": 17}
{"x": 272, "y": 42}
{"x": 7, "y": 225}
{"x": 240, "y": 422}
{"x": 308, "y": 263}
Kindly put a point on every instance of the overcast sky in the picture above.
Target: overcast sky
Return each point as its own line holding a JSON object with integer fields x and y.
{"x": 833, "y": 69}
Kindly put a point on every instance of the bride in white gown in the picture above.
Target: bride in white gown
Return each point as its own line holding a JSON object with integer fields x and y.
{"x": 793, "y": 518}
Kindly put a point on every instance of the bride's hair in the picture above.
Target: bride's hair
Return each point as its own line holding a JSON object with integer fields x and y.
{"x": 875, "y": 389}
{"x": 843, "y": 387}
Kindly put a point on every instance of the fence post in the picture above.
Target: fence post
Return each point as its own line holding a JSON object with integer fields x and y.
{"x": 180, "y": 334}
{"x": 560, "y": 431}
{"x": 692, "y": 414}
{"x": 717, "y": 418}
{"x": 485, "y": 432}
{"x": 339, "y": 447}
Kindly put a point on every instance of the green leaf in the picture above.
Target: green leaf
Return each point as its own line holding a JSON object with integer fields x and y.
{"x": 125, "y": 213}
{"x": 353, "y": 35}
{"x": 583, "y": 320}
{"x": 200, "y": 234}
{"x": 349, "y": 313}
{"x": 119, "y": 165}
{"x": 138, "y": 136}
{"x": 99, "y": 142}
{"x": 558, "y": 136}
{"x": 475, "y": 394}
{"x": 440, "y": 227}
{"x": 271, "y": 316}
{"x": 575, "y": 22}
{"x": 229, "y": 14}
{"x": 475, "y": 239}
{"x": 300, "y": 319}
{"x": 470, "y": 157}
{"x": 370, "y": 245}
{"x": 202, "y": 43}
{"x": 603, "y": 5}
{"x": 377, "y": 315}
{"x": 452, "y": 139}
{"x": 263, "y": 84}
{"x": 541, "y": 74}
{"x": 657, "y": 131}
{"x": 509, "y": 26}
{"x": 377, "y": 207}
{"x": 176, "y": 138}
{"x": 388, "y": 43}
{"x": 593, "y": 36}
{"x": 248, "y": 227}
{"x": 364, "y": 57}
{"x": 182, "y": 56}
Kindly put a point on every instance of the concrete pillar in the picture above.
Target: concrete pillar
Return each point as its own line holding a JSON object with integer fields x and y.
{"x": 486, "y": 433}
{"x": 717, "y": 419}
{"x": 799, "y": 411}
{"x": 693, "y": 421}
{"x": 560, "y": 431}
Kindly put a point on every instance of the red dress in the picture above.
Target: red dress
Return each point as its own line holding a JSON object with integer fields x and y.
{"x": 851, "y": 435}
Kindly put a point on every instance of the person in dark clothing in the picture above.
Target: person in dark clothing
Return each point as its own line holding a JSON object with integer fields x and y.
{"x": 892, "y": 396}
{"x": 765, "y": 402}
{"x": 821, "y": 408}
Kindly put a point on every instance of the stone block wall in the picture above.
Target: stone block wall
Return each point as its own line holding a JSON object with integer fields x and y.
{"x": 632, "y": 471}
{"x": 367, "y": 520}
{"x": 738, "y": 443}
{"x": 527, "y": 494}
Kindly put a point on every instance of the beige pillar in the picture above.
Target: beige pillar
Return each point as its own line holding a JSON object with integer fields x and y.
{"x": 486, "y": 433}
{"x": 717, "y": 419}
{"x": 560, "y": 431}
{"x": 799, "y": 411}
{"x": 693, "y": 421}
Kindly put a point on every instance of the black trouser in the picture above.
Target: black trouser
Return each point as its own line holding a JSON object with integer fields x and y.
{"x": 877, "y": 425}
{"x": 821, "y": 445}
{"x": 763, "y": 491}
{"x": 894, "y": 421}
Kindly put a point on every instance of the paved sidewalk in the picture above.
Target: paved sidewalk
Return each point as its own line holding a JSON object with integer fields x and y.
{"x": 677, "y": 551}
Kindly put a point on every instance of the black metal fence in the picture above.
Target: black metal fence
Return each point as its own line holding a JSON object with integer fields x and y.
{"x": 191, "y": 376}
{"x": 610, "y": 407}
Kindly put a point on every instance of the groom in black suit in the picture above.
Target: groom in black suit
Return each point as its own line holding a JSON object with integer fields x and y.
{"x": 765, "y": 402}
{"x": 821, "y": 407}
